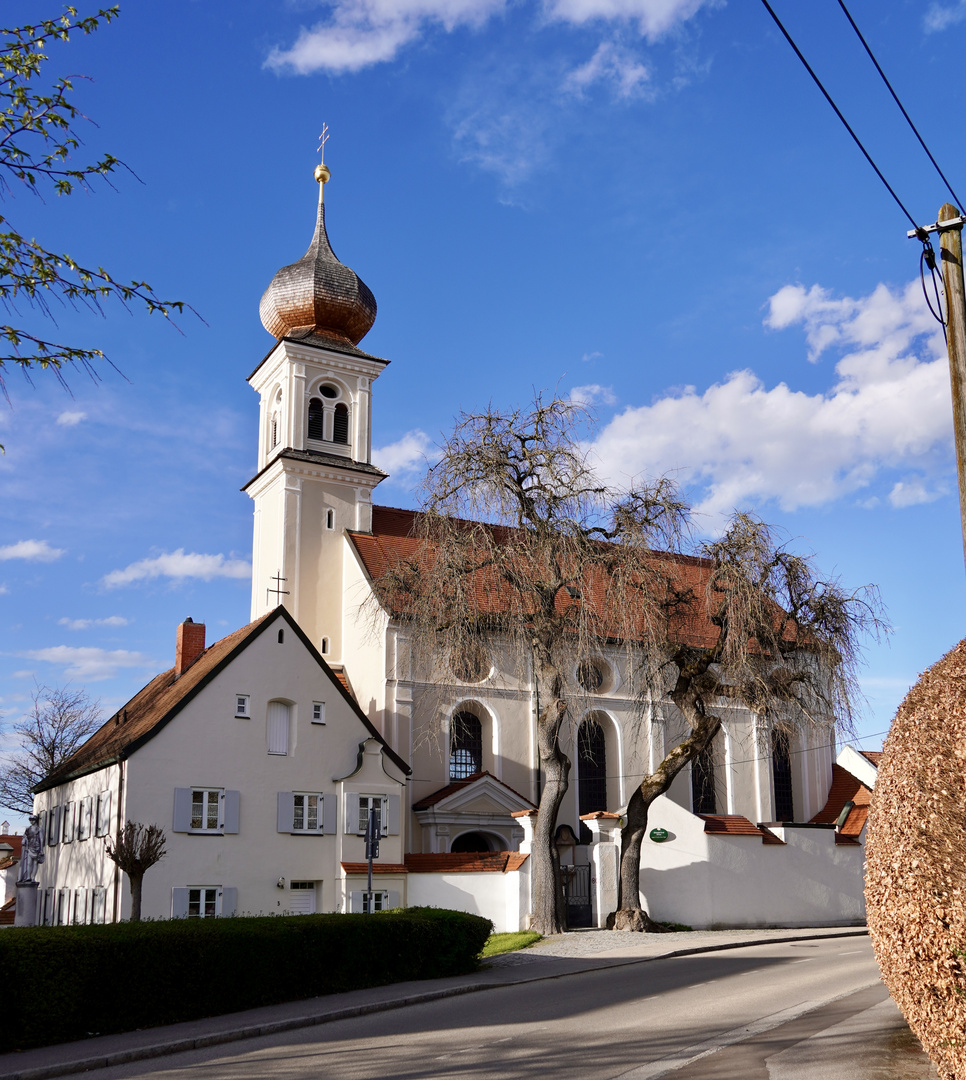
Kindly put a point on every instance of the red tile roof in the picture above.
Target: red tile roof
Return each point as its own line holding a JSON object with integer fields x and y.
{"x": 8, "y": 912}
{"x": 458, "y": 785}
{"x": 473, "y": 862}
{"x": 166, "y": 695}
{"x": 377, "y": 868}
{"x": 734, "y": 825}
{"x": 392, "y": 540}
{"x": 338, "y": 670}
{"x": 845, "y": 789}
{"x": 599, "y": 815}
{"x": 15, "y": 841}
{"x": 872, "y": 756}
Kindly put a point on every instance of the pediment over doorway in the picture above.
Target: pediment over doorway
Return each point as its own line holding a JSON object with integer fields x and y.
{"x": 480, "y": 804}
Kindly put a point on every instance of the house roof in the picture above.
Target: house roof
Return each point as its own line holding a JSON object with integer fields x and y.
{"x": 736, "y": 825}
{"x": 472, "y": 862}
{"x": 873, "y": 757}
{"x": 458, "y": 785}
{"x": 845, "y": 788}
{"x": 393, "y": 539}
{"x": 377, "y": 868}
{"x": 15, "y": 841}
{"x": 167, "y": 694}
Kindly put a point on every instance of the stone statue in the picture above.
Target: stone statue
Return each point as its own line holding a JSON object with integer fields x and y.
{"x": 32, "y": 852}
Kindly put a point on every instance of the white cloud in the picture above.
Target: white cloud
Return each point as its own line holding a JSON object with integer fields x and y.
{"x": 359, "y": 33}
{"x": 86, "y": 624}
{"x": 4, "y": 590}
{"x": 31, "y": 550}
{"x": 591, "y": 394}
{"x": 407, "y": 458}
{"x": 589, "y": 357}
{"x": 940, "y": 17}
{"x": 89, "y": 664}
{"x": 71, "y": 419}
{"x": 739, "y": 442}
{"x": 178, "y": 565}
{"x": 610, "y": 63}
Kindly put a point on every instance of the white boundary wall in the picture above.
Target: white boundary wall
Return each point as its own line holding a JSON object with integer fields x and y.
{"x": 503, "y": 898}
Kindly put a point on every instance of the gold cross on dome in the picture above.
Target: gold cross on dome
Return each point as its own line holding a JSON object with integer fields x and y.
{"x": 324, "y": 137}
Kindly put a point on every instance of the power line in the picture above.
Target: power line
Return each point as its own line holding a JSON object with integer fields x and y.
{"x": 838, "y": 113}
{"x": 895, "y": 98}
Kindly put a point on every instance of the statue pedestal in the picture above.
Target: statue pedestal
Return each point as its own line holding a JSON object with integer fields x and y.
{"x": 26, "y": 912}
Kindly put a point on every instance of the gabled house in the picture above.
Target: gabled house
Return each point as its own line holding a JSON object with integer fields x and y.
{"x": 259, "y": 766}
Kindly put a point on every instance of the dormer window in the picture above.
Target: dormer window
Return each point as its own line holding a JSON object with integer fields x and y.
{"x": 340, "y": 426}
{"x": 316, "y": 419}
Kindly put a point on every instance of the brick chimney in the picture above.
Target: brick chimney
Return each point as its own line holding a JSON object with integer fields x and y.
{"x": 190, "y": 645}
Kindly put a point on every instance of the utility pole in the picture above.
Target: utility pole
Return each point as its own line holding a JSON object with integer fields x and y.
{"x": 951, "y": 244}
{"x": 949, "y": 225}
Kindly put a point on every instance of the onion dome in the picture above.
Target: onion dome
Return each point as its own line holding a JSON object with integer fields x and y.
{"x": 318, "y": 294}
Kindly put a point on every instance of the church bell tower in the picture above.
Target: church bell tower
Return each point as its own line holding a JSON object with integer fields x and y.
{"x": 315, "y": 475}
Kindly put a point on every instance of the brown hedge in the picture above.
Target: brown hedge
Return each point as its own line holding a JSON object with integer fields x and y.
{"x": 916, "y": 862}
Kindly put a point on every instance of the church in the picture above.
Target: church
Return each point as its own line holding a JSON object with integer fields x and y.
{"x": 296, "y": 724}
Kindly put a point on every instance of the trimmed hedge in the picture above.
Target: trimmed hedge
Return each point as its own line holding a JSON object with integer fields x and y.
{"x": 73, "y": 982}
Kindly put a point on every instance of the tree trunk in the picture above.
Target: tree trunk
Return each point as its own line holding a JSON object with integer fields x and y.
{"x": 135, "y": 880}
{"x": 630, "y": 915}
{"x": 547, "y": 916}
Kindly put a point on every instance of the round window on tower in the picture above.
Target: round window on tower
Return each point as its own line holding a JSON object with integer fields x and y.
{"x": 469, "y": 662}
{"x": 328, "y": 391}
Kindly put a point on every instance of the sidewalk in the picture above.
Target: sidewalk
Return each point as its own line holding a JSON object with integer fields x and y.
{"x": 552, "y": 958}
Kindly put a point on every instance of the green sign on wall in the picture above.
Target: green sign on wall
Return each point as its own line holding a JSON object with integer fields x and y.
{"x": 659, "y": 835}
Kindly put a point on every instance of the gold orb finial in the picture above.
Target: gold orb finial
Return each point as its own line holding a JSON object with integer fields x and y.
{"x": 322, "y": 173}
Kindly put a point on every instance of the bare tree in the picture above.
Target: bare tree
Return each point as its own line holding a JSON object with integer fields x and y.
{"x": 520, "y": 541}
{"x": 784, "y": 642}
{"x": 59, "y": 720}
{"x": 136, "y": 849}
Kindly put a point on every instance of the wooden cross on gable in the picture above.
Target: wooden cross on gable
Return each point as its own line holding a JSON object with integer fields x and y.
{"x": 278, "y": 590}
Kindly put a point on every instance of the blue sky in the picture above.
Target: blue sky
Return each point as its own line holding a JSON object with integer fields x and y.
{"x": 645, "y": 203}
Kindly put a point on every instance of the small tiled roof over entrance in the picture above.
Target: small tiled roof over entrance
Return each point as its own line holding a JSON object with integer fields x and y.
{"x": 845, "y": 789}
{"x": 736, "y": 825}
{"x": 458, "y": 785}
{"x": 470, "y": 862}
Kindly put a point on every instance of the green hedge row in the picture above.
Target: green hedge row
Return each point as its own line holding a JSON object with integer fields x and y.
{"x": 68, "y": 983}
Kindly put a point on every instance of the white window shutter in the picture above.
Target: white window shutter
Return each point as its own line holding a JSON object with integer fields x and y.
{"x": 278, "y": 725}
{"x": 286, "y": 811}
{"x": 352, "y": 813}
{"x": 99, "y": 907}
{"x": 103, "y": 813}
{"x": 68, "y": 823}
{"x": 329, "y": 815}
{"x": 393, "y": 899}
{"x": 182, "y": 812}
{"x": 392, "y": 827}
{"x": 179, "y": 903}
{"x": 232, "y": 807}
{"x": 53, "y": 832}
{"x": 355, "y": 902}
{"x": 229, "y": 901}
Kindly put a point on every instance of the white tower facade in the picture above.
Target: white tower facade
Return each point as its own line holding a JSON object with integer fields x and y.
{"x": 315, "y": 475}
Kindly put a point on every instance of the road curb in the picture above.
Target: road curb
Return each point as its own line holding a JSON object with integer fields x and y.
{"x": 274, "y": 1027}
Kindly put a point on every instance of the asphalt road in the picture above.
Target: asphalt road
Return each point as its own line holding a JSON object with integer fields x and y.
{"x": 810, "y": 1010}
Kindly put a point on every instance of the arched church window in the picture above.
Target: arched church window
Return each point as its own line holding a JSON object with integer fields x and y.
{"x": 340, "y": 426}
{"x": 781, "y": 771}
{"x": 591, "y": 767}
{"x": 316, "y": 418}
{"x": 703, "y": 796}
{"x": 465, "y": 746}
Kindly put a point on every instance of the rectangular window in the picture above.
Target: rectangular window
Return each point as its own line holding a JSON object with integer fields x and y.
{"x": 242, "y": 705}
{"x": 204, "y": 903}
{"x": 84, "y": 812}
{"x": 307, "y": 815}
{"x": 206, "y": 810}
{"x": 99, "y": 905}
{"x": 318, "y": 712}
{"x": 374, "y": 802}
{"x": 103, "y": 813}
{"x": 374, "y": 901}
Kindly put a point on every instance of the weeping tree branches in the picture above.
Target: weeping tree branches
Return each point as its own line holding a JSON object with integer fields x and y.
{"x": 778, "y": 638}
{"x": 520, "y": 541}
{"x": 38, "y": 139}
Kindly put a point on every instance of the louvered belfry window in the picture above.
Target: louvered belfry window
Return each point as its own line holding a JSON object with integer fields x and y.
{"x": 316, "y": 419}
{"x": 340, "y": 426}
